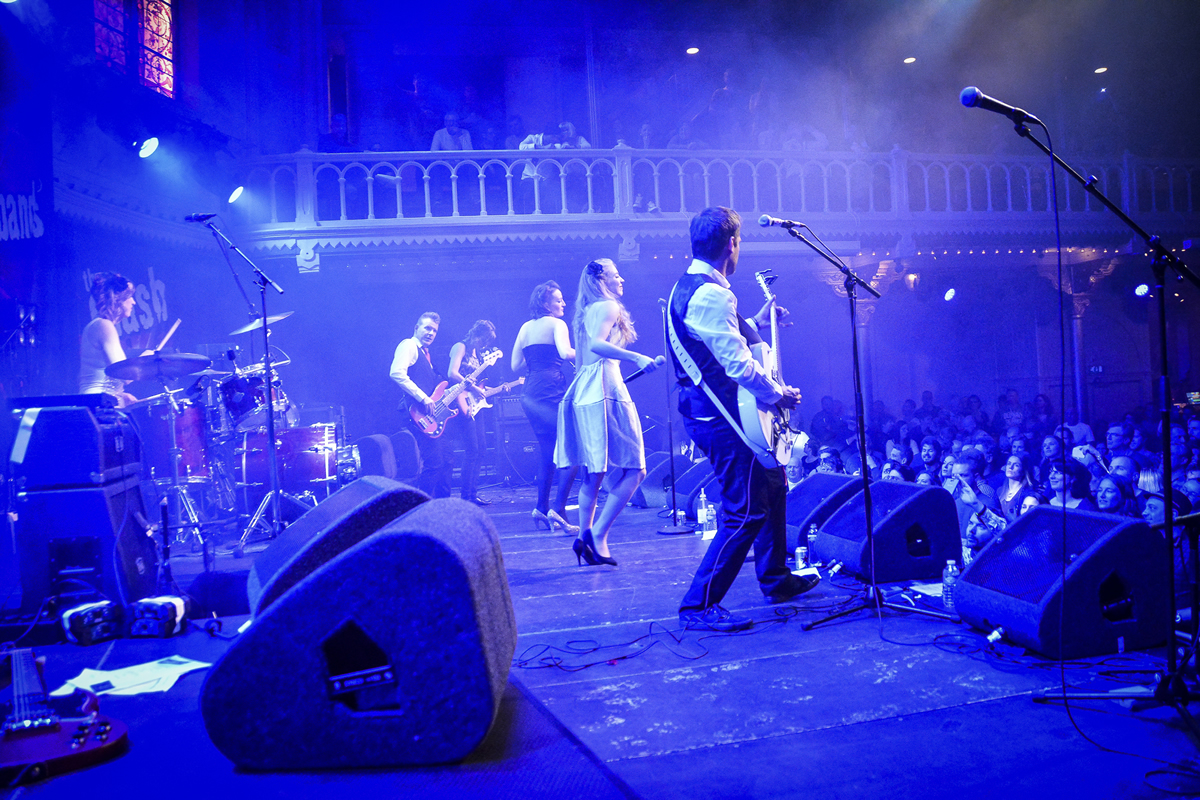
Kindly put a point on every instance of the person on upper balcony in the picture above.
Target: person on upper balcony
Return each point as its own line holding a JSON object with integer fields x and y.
{"x": 451, "y": 137}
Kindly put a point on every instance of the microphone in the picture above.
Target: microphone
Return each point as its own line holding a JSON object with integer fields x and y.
{"x": 767, "y": 221}
{"x": 658, "y": 362}
{"x": 971, "y": 97}
{"x": 198, "y": 217}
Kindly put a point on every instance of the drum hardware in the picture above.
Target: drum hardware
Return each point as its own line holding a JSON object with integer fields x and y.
{"x": 258, "y": 323}
{"x": 163, "y": 368}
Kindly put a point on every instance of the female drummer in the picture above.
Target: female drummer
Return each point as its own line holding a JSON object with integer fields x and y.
{"x": 100, "y": 345}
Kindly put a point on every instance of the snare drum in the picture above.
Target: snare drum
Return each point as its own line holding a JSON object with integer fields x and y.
{"x": 153, "y": 419}
{"x": 309, "y": 461}
{"x": 245, "y": 400}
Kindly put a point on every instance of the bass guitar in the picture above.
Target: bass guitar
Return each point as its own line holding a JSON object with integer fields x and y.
{"x": 444, "y": 399}
{"x": 46, "y": 736}
{"x": 765, "y": 427}
{"x": 472, "y": 405}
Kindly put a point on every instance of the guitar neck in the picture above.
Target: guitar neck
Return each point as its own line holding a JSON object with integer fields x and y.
{"x": 29, "y": 707}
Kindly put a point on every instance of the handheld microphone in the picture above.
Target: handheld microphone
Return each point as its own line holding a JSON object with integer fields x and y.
{"x": 658, "y": 362}
{"x": 198, "y": 217}
{"x": 767, "y": 221}
{"x": 971, "y": 97}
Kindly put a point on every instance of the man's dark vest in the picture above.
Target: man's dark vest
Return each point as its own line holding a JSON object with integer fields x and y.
{"x": 694, "y": 403}
{"x": 422, "y": 374}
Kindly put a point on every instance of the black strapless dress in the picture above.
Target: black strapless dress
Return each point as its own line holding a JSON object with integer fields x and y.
{"x": 544, "y": 388}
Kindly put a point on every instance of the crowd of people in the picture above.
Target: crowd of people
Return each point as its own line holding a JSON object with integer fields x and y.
{"x": 1000, "y": 465}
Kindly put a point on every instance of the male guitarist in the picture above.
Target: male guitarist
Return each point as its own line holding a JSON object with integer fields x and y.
{"x": 412, "y": 368}
{"x": 716, "y": 340}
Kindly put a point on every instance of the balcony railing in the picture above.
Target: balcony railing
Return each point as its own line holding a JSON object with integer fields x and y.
{"x": 323, "y": 189}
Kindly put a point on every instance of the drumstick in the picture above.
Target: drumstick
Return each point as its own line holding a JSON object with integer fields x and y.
{"x": 170, "y": 333}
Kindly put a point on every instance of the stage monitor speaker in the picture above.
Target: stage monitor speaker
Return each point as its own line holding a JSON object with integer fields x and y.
{"x": 72, "y": 543}
{"x": 348, "y": 516}
{"x": 814, "y": 499}
{"x": 655, "y": 490}
{"x": 916, "y": 532}
{"x": 70, "y": 447}
{"x": 395, "y": 652}
{"x": 1114, "y": 596}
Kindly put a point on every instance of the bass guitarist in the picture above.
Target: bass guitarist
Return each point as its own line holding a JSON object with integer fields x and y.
{"x": 466, "y": 356}
{"x": 715, "y": 341}
{"x": 412, "y": 368}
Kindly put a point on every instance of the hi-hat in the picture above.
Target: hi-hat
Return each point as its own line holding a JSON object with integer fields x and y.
{"x": 253, "y": 326}
{"x": 157, "y": 365}
{"x": 208, "y": 373}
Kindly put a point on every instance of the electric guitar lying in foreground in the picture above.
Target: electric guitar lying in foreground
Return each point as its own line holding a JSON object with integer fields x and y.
{"x": 472, "y": 405}
{"x": 46, "y": 736}
{"x": 444, "y": 405}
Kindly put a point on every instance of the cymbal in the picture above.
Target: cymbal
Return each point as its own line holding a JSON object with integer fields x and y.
{"x": 157, "y": 365}
{"x": 257, "y": 324}
{"x": 208, "y": 373}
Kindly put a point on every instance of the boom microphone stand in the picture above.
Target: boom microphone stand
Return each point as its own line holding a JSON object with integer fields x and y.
{"x": 874, "y": 597}
{"x": 271, "y": 500}
{"x": 1171, "y": 687}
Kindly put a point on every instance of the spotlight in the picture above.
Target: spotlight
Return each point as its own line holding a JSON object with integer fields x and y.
{"x": 910, "y": 60}
{"x": 691, "y": 51}
{"x": 1142, "y": 290}
{"x": 146, "y": 147}
{"x": 235, "y": 195}
{"x": 949, "y": 295}
{"x": 1100, "y": 70}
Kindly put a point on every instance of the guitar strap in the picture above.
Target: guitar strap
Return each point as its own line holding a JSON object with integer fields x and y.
{"x": 693, "y": 372}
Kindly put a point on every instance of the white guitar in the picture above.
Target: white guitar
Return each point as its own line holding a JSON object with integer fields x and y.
{"x": 765, "y": 427}
{"x": 472, "y": 405}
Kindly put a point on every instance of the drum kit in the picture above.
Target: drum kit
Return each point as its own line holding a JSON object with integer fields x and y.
{"x": 204, "y": 447}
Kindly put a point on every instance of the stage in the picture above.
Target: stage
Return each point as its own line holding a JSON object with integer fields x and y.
{"x": 608, "y": 698}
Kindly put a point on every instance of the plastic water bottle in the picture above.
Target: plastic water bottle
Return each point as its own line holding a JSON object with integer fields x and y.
{"x": 710, "y": 521}
{"x": 949, "y": 578}
{"x": 702, "y": 511}
{"x": 812, "y": 543}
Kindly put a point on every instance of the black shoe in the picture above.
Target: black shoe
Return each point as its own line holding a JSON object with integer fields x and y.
{"x": 713, "y": 618}
{"x": 793, "y": 587}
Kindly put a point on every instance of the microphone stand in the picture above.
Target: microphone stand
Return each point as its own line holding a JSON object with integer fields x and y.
{"x": 874, "y": 597}
{"x": 272, "y": 497}
{"x": 673, "y": 528}
{"x": 1171, "y": 687}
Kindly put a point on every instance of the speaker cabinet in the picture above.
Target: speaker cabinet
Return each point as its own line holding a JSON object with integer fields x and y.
{"x": 814, "y": 499}
{"x": 1112, "y": 595}
{"x": 73, "y": 446}
{"x": 394, "y": 652}
{"x": 655, "y": 490}
{"x": 916, "y": 532}
{"x": 348, "y": 516}
{"x": 73, "y": 541}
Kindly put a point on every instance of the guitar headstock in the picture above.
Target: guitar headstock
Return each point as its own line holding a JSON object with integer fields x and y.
{"x": 765, "y": 278}
{"x": 491, "y": 356}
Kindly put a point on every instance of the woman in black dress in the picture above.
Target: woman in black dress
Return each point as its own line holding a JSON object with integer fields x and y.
{"x": 543, "y": 344}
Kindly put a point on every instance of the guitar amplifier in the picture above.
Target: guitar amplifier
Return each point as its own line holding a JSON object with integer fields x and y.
{"x": 61, "y": 447}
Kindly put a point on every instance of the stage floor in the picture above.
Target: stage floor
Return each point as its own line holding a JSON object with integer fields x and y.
{"x": 608, "y": 698}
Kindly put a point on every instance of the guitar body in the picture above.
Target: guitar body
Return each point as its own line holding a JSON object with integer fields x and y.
{"x": 434, "y": 425}
{"x": 471, "y": 405}
{"x": 765, "y": 427}
{"x": 46, "y": 736}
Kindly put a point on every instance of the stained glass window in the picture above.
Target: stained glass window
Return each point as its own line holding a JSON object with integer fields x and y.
{"x": 157, "y": 61}
{"x": 110, "y": 32}
{"x": 117, "y": 22}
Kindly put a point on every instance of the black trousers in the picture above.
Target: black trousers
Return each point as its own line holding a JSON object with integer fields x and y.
{"x": 434, "y": 479}
{"x": 754, "y": 499}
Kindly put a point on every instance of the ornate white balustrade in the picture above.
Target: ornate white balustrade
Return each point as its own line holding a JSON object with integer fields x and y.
{"x": 318, "y": 196}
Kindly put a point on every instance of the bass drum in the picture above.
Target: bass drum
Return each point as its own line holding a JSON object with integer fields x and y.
{"x": 311, "y": 465}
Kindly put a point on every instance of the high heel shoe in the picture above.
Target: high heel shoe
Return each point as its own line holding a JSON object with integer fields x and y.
{"x": 590, "y": 544}
{"x": 540, "y": 519}
{"x": 583, "y": 553}
{"x": 560, "y": 523}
